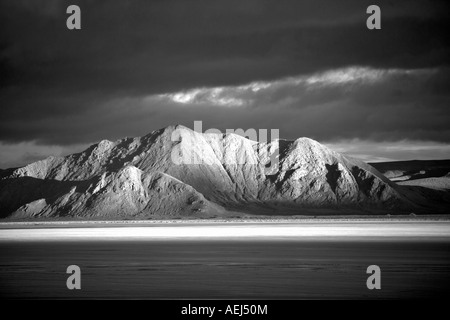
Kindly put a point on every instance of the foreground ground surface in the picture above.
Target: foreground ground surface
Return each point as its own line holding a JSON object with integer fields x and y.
{"x": 309, "y": 259}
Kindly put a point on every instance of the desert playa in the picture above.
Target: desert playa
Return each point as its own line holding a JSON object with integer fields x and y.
{"x": 307, "y": 259}
{"x": 225, "y": 230}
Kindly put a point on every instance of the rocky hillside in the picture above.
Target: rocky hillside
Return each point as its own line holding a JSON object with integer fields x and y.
{"x": 178, "y": 172}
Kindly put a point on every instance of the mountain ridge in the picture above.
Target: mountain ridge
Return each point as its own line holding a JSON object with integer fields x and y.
{"x": 175, "y": 171}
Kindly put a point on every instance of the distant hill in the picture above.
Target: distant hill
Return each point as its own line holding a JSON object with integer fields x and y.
{"x": 432, "y": 174}
{"x": 414, "y": 169}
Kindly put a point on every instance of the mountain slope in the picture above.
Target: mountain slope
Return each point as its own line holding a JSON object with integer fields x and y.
{"x": 178, "y": 172}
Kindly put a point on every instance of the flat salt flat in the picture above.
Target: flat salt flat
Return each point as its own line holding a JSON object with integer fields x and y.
{"x": 220, "y": 231}
{"x": 229, "y": 260}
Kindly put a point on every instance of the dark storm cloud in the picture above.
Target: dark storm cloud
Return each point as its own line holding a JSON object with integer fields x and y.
{"x": 160, "y": 46}
{"x": 366, "y": 103}
{"x": 372, "y": 104}
{"x": 74, "y": 87}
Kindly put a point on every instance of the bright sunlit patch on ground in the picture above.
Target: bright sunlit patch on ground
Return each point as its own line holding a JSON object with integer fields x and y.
{"x": 235, "y": 231}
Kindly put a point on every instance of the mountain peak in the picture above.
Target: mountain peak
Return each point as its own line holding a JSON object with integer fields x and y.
{"x": 145, "y": 175}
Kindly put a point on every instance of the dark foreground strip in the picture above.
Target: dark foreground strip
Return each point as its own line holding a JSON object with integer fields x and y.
{"x": 226, "y": 309}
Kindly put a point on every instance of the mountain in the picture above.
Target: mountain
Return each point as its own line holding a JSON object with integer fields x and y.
{"x": 415, "y": 170}
{"x": 176, "y": 172}
{"x": 427, "y": 180}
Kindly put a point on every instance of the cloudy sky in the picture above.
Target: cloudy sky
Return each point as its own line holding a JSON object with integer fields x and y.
{"x": 307, "y": 68}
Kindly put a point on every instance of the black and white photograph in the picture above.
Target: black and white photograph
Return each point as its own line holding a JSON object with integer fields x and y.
{"x": 224, "y": 155}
